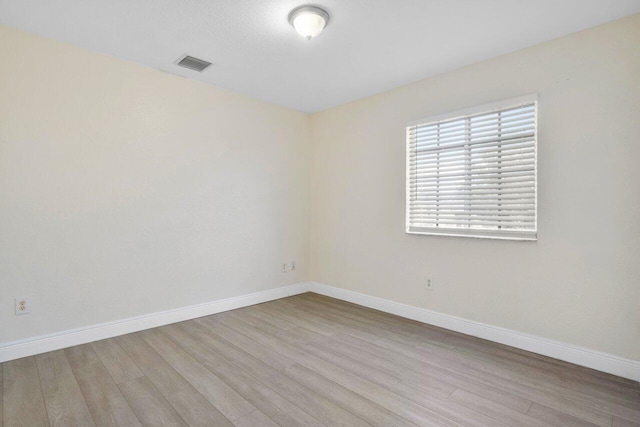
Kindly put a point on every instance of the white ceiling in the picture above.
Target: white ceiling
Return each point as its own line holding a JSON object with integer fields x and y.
{"x": 369, "y": 46}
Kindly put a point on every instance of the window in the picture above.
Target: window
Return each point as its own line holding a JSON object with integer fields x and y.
{"x": 473, "y": 173}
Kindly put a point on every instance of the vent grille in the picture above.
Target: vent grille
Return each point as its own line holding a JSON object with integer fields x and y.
{"x": 194, "y": 63}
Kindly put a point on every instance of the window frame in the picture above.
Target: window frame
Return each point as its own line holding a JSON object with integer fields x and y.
{"x": 518, "y": 235}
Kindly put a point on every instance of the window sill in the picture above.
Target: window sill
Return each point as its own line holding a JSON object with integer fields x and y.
{"x": 526, "y": 236}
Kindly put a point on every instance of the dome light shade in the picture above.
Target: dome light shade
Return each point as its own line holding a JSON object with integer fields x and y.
{"x": 309, "y": 21}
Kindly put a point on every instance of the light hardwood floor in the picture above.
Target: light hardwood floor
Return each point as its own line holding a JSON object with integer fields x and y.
{"x": 307, "y": 360}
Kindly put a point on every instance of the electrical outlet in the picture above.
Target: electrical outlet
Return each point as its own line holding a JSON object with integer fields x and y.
{"x": 284, "y": 267}
{"x": 429, "y": 285}
{"x": 23, "y": 306}
{"x": 293, "y": 266}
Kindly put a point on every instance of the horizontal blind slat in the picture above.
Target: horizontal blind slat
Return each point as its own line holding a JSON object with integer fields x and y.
{"x": 432, "y": 197}
{"x": 472, "y": 167}
{"x": 497, "y": 203}
{"x": 472, "y": 222}
{"x": 477, "y": 123}
{"x": 494, "y": 175}
{"x": 495, "y": 158}
{"x": 480, "y": 214}
{"x": 474, "y": 149}
{"x": 461, "y": 159}
{"x": 505, "y": 199}
{"x": 477, "y": 120}
{"x": 486, "y": 131}
{"x": 473, "y": 219}
{"x": 480, "y": 184}
{"x": 498, "y": 140}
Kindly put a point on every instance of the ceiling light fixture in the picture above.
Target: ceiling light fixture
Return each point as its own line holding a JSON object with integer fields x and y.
{"x": 309, "y": 21}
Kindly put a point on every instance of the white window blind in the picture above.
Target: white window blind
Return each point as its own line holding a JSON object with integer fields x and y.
{"x": 473, "y": 173}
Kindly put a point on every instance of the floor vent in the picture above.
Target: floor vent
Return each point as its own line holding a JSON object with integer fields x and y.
{"x": 194, "y": 63}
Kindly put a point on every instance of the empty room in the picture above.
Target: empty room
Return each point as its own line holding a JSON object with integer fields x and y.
{"x": 340, "y": 213}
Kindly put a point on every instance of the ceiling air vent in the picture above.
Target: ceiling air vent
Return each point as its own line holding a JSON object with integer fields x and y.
{"x": 193, "y": 63}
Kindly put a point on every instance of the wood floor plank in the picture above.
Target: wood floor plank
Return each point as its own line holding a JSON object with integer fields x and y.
{"x": 390, "y": 360}
{"x": 564, "y": 379}
{"x": 196, "y": 410}
{"x": 323, "y": 410}
{"x": 106, "y": 403}
{"x": 373, "y": 366}
{"x": 619, "y": 422}
{"x": 222, "y": 325}
{"x": 223, "y": 397}
{"x": 558, "y": 418}
{"x": 276, "y": 407}
{"x": 424, "y": 373}
{"x": 275, "y": 321}
{"x": 249, "y": 345}
{"x": 364, "y": 408}
{"x": 23, "y": 403}
{"x": 437, "y": 358}
{"x": 603, "y": 401}
{"x": 494, "y": 410}
{"x": 598, "y": 375}
{"x": 256, "y": 418}
{"x": 275, "y": 311}
{"x": 418, "y": 380}
{"x": 117, "y": 362}
{"x": 151, "y": 408}
{"x": 577, "y": 403}
{"x": 578, "y": 376}
{"x": 355, "y": 366}
{"x": 579, "y": 393}
{"x": 420, "y": 408}
{"x": 162, "y": 375}
{"x": 411, "y": 331}
{"x": 62, "y": 395}
{"x": 288, "y": 301}
{"x": 414, "y": 413}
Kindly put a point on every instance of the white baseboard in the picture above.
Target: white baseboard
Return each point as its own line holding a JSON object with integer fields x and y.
{"x": 30, "y": 347}
{"x": 603, "y": 362}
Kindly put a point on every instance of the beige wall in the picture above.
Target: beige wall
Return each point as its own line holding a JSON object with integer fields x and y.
{"x": 579, "y": 283}
{"x": 126, "y": 191}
